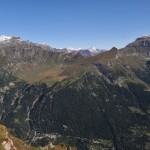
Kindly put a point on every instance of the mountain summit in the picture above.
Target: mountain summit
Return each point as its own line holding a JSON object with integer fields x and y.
{"x": 4, "y": 38}
{"x": 144, "y": 37}
{"x": 140, "y": 46}
{"x": 51, "y": 96}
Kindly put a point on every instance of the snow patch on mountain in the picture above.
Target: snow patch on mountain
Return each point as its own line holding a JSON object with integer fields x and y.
{"x": 4, "y": 38}
{"x": 15, "y": 40}
{"x": 85, "y": 52}
{"x": 146, "y": 36}
{"x": 73, "y": 49}
{"x": 93, "y": 49}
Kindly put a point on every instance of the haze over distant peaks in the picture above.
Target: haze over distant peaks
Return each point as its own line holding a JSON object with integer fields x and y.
{"x": 5, "y": 40}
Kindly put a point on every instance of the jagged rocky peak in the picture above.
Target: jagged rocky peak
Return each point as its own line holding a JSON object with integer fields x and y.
{"x": 16, "y": 38}
{"x": 141, "y": 46}
{"x": 93, "y": 49}
{"x": 4, "y": 38}
{"x": 145, "y": 37}
{"x": 143, "y": 41}
{"x": 17, "y": 42}
{"x": 6, "y": 41}
{"x": 114, "y": 49}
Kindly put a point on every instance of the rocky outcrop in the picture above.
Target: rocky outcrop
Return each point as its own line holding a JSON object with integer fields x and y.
{"x": 140, "y": 46}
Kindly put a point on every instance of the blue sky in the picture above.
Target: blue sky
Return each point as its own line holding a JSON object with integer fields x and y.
{"x": 76, "y": 23}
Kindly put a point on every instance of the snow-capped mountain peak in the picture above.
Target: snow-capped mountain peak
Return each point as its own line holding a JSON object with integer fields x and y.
{"x": 85, "y": 52}
{"x": 4, "y": 38}
{"x": 93, "y": 48}
{"x": 73, "y": 49}
{"x": 15, "y": 40}
{"x": 146, "y": 36}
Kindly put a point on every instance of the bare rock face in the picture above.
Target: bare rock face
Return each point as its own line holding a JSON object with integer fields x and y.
{"x": 143, "y": 42}
{"x": 16, "y": 52}
{"x": 140, "y": 46}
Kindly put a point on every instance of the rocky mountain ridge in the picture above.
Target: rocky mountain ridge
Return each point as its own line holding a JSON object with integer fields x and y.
{"x": 99, "y": 102}
{"x": 140, "y": 46}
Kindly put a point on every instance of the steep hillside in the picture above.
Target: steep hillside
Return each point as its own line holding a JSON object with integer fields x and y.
{"x": 8, "y": 142}
{"x": 99, "y": 102}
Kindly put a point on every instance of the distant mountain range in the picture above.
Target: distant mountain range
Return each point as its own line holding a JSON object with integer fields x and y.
{"x": 8, "y": 40}
{"x": 75, "y": 99}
